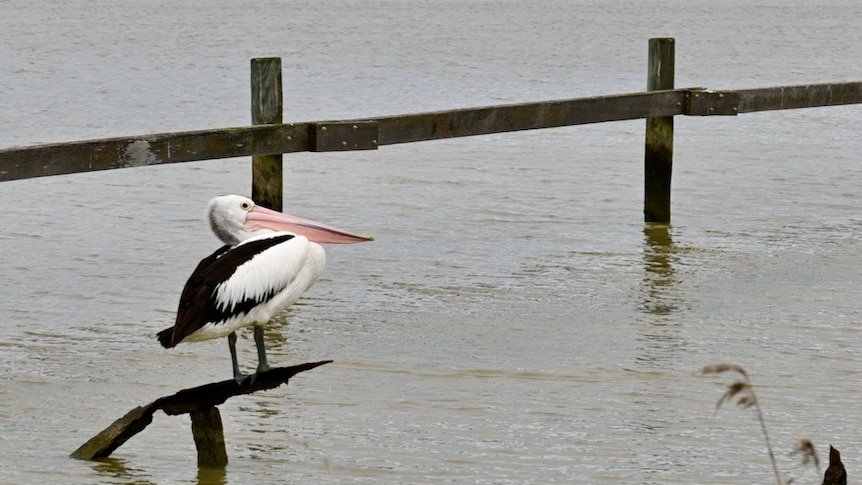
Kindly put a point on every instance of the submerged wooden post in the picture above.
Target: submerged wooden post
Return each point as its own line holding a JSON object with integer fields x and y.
{"x": 266, "y": 108}
{"x": 658, "y": 156}
{"x": 209, "y": 437}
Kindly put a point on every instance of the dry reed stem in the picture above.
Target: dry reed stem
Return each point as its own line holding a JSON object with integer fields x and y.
{"x": 746, "y": 400}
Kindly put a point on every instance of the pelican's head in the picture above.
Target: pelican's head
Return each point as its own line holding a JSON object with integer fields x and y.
{"x": 234, "y": 218}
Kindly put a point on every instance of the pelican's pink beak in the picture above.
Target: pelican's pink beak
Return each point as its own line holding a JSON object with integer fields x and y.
{"x": 262, "y": 218}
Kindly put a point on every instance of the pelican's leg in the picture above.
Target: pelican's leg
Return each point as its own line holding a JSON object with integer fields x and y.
{"x": 231, "y": 343}
{"x": 262, "y": 364}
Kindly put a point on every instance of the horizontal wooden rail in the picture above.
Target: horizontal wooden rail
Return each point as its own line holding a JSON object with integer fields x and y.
{"x": 531, "y": 116}
{"x": 795, "y": 97}
{"x": 125, "y": 152}
{"x": 111, "y": 153}
{"x": 364, "y": 134}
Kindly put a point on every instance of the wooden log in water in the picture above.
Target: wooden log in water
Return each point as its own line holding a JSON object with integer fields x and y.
{"x": 112, "y": 437}
{"x": 193, "y": 400}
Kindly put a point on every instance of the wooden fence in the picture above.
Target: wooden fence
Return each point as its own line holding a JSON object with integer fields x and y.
{"x": 268, "y": 138}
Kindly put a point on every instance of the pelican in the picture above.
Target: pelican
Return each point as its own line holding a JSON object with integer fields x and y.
{"x": 268, "y": 261}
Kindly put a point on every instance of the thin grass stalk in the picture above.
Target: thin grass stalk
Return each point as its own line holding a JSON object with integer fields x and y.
{"x": 765, "y": 434}
{"x": 748, "y": 399}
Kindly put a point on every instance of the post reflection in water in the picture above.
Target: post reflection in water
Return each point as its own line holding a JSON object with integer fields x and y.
{"x": 660, "y": 339}
{"x": 660, "y": 256}
{"x": 115, "y": 468}
{"x": 212, "y": 476}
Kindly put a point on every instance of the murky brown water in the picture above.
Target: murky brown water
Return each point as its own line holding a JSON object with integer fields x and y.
{"x": 514, "y": 321}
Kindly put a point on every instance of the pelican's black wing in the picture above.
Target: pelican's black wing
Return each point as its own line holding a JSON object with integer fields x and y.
{"x": 197, "y": 305}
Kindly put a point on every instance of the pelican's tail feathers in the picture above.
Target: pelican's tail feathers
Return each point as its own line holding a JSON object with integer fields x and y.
{"x": 166, "y": 338}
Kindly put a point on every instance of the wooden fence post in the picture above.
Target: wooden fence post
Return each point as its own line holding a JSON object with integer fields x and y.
{"x": 266, "y": 108}
{"x": 658, "y": 156}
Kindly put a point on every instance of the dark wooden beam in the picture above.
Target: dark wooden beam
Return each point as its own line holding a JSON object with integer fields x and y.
{"x": 795, "y": 97}
{"x": 138, "y": 151}
{"x": 125, "y": 152}
{"x": 527, "y": 116}
{"x": 270, "y": 139}
{"x": 339, "y": 136}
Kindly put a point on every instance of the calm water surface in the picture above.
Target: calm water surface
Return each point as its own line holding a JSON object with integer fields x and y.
{"x": 514, "y": 321}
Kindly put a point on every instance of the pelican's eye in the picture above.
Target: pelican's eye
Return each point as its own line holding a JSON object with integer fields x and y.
{"x": 245, "y": 205}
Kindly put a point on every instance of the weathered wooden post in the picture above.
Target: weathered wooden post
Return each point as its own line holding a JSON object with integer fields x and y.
{"x": 658, "y": 157}
{"x": 208, "y": 433}
{"x": 266, "y": 108}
